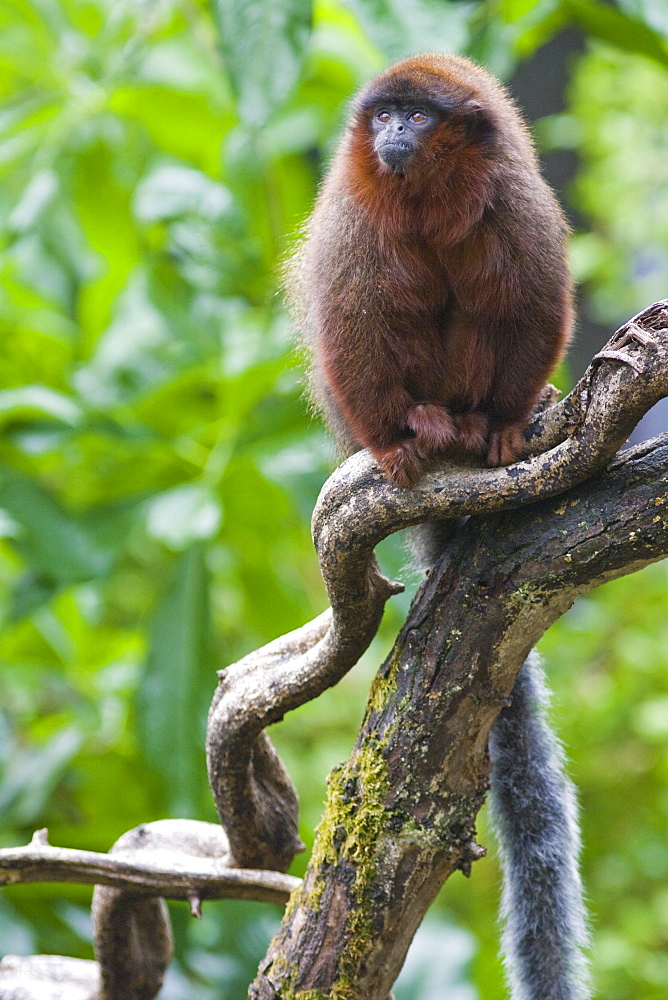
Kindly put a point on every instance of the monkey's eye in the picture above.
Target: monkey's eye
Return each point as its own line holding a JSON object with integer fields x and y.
{"x": 419, "y": 117}
{"x": 384, "y": 117}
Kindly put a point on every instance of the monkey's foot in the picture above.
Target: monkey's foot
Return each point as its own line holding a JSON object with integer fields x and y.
{"x": 472, "y": 430}
{"x": 402, "y": 464}
{"x": 433, "y": 427}
{"x": 505, "y": 443}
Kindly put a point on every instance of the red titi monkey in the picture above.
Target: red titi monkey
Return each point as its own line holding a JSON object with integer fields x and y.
{"x": 432, "y": 285}
{"x": 433, "y": 292}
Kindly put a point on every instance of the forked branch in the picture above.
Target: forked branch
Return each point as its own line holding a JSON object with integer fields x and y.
{"x": 357, "y": 507}
{"x": 401, "y": 813}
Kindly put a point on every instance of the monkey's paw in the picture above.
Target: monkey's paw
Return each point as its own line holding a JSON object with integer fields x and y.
{"x": 433, "y": 427}
{"x": 505, "y": 444}
{"x": 402, "y": 464}
{"x": 472, "y": 430}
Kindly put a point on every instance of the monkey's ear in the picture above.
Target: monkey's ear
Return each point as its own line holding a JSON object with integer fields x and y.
{"x": 480, "y": 125}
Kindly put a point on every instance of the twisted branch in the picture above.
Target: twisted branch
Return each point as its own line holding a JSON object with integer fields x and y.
{"x": 401, "y": 811}
{"x": 256, "y": 801}
{"x": 355, "y": 510}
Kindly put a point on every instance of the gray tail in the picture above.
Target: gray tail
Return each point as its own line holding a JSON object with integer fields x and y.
{"x": 535, "y": 815}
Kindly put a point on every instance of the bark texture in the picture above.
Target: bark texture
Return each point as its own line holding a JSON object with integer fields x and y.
{"x": 400, "y": 816}
{"x": 401, "y": 812}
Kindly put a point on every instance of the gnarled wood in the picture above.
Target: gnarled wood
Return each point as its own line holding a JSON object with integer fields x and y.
{"x": 177, "y": 859}
{"x": 401, "y": 812}
{"x": 164, "y": 872}
{"x": 356, "y": 509}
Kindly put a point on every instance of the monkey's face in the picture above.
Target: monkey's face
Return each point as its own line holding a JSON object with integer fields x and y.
{"x": 411, "y": 122}
{"x": 399, "y": 131}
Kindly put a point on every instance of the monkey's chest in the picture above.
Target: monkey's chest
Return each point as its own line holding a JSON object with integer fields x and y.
{"x": 442, "y": 354}
{"x": 449, "y": 359}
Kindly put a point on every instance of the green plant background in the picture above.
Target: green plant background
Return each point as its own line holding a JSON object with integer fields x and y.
{"x": 158, "y": 465}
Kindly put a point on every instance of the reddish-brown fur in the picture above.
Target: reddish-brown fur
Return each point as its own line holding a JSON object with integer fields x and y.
{"x": 437, "y": 302}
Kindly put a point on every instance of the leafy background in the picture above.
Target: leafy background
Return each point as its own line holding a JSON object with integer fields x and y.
{"x": 158, "y": 466}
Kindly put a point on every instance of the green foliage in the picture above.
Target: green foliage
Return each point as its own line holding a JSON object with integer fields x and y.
{"x": 615, "y": 709}
{"x": 158, "y": 468}
{"x": 399, "y": 29}
{"x": 623, "y": 143}
{"x": 172, "y": 699}
{"x": 263, "y": 44}
{"x": 611, "y": 25}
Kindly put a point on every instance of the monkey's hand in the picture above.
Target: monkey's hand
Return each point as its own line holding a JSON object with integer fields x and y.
{"x": 505, "y": 443}
{"x": 433, "y": 426}
{"x": 402, "y": 463}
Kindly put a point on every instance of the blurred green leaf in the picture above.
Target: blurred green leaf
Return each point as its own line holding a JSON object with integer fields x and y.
{"x": 32, "y": 774}
{"x": 264, "y": 46}
{"x": 611, "y": 25}
{"x": 173, "y": 692}
{"x": 184, "y": 515}
{"x": 31, "y": 591}
{"x": 513, "y": 10}
{"x": 652, "y": 719}
{"x": 436, "y": 963}
{"x": 171, "y": 190}
{"x": 38, "y": 194}
{"x": 652, "y": 12}
{"x": 620, "y": 102}
{"x": 38, "y": 399}
{"x": 401, "y": 29}
{"x": 178, "y": 123}
{"x": 60, "y": 546}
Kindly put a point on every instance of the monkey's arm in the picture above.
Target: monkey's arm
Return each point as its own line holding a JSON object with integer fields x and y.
{"x": 533, "y": 344}
{"x": 370, "y": 401}
{"x": 512, "y": 281}
{"x": 352, "y": 292}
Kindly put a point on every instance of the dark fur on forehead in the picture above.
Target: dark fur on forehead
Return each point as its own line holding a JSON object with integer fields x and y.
{"x": 403, "y": 91}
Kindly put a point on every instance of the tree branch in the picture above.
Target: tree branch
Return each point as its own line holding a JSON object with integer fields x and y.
{"x": 356, "y": 509}
{"x": 165, "y": 873}
{"x": 401, "y": 812}
{"x": 176, "y": 859}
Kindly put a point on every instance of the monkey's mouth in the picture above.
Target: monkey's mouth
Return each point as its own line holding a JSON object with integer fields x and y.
{"x": 396, "y": 155}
